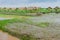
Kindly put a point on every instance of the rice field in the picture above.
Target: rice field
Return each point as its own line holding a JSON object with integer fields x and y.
{"x": 45, "y": 27}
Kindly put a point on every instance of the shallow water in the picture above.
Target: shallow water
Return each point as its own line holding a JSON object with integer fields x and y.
{"x": 55, "y": 18}
{"x": 1, "y": 18}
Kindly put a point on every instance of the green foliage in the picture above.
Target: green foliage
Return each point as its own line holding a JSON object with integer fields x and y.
{"x": 26, "y": 37}
{"x": 39, "y": 24}
{"x": 25, "y": 11}
{"x": 43, "y": 24}
{"x": 4, "y": 22}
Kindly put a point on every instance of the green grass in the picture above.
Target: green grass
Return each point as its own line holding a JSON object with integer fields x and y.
{"x": 25, "y": 11}
{"x": 39, "y": 24}
{"x": 20, "y": 19}
{"x": 27, "y": 37}
{"x": 43, "y": 24}
{"x": 5, "y": 22}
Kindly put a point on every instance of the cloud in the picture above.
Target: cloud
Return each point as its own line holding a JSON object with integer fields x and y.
{"x": 27, "y": 3}
{"x": 33, "y": 1}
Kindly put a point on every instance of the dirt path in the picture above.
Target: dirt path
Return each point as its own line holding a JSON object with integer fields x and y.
{"x": 6, "y": 36}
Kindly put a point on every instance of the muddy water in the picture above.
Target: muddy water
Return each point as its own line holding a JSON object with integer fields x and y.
{"x": 6, "y": 36}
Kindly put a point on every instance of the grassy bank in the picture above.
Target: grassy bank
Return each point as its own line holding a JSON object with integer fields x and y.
{"x": 20, "y": 19}
{"x": 26, "y": 11}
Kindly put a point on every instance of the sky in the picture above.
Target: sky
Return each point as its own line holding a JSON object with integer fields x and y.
{"x": 28, "y": 3}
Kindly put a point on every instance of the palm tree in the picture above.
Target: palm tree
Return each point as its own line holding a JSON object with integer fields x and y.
{"x": 9, "y": 9}
{"x": 25, "y": 9}
{"x": 34, "y": 9}
{"x": 0, "y": 9}
{"x": 4, "y": 8}
{"x": 57, "y": 9}
{"x": 39, "y": 11}
{"x": 16, "y": 9}
{"x": 49, "y": 9}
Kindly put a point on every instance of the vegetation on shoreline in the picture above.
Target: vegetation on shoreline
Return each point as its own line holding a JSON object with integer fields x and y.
{"x": 27, "y": 11}
{"x": 4, "y": 23}
{"x": 24, "y": 19}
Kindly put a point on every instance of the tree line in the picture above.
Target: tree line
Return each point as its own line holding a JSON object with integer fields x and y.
{"x": 26, "y": 10}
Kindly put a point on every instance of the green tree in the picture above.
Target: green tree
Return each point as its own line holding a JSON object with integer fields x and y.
{"x": 57, "y": 9}
{"x": 49, "y": 10}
